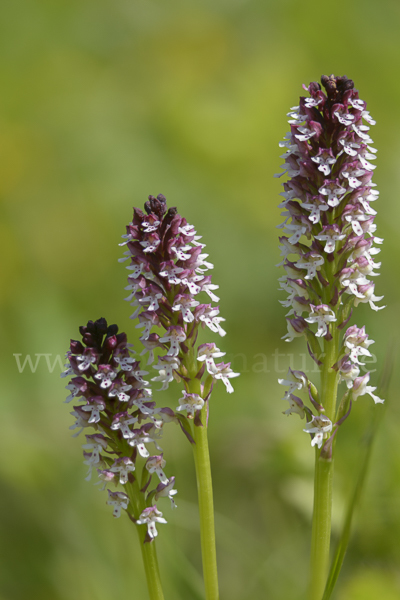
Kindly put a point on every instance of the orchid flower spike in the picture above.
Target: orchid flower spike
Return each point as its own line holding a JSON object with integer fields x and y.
{"x": 114, "y": 403}
{"x": 328, "y": 246}
{"x": 171, "y": 290}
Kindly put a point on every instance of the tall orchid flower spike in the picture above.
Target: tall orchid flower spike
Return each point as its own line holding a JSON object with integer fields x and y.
{"x": 171, "y": 291}
{"x": 116, "y": 407}
{"x": 328, "y": 248}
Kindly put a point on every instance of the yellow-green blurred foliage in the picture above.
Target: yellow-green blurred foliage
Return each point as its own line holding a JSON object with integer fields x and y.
{"x": 102, "y": 103}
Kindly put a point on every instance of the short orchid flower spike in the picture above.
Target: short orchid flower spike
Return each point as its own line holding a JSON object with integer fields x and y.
{"x": 113, "y": 398}
{"x": 328, "y": 252}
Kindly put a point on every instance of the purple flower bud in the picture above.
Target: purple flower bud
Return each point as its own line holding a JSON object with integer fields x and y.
{"x": 111, "y": 342}
{"x": 76, "y": 347}
{"x": 113, "y": 395}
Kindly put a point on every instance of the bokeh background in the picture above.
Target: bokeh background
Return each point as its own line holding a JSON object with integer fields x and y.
{"x": 102, "y": 103}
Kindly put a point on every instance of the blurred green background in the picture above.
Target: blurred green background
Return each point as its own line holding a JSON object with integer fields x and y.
{"x": 102, "y": 103}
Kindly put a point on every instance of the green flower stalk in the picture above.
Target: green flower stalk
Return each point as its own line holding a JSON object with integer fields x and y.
{"x": 328, "y": 255}
{"x": 168, "y": 284}
{"x": 118, "y": 408}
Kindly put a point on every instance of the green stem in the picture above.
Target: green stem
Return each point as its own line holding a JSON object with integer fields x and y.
{"x": 206, "y": 503}
{"x": 148, "y": 549}
{"x": 322, "y": 513}
{"x": 149, "y": 555}
{"x": 206, "y": 509}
